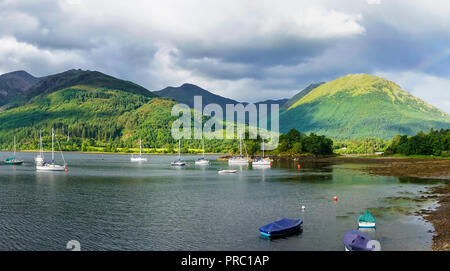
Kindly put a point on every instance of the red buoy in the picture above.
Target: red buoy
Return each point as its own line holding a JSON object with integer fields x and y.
{"x": 335, "y": 198}
{"x": 66, "y": 170}
{"x": 298, "y": 166}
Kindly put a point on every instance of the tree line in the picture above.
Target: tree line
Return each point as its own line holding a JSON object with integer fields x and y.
{"x": 435, "y": 142}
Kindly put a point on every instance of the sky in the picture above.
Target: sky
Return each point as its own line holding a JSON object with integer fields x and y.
{"x": 245, "y": 50}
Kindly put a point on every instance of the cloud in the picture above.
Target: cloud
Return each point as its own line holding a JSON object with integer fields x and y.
{"x": 21, "y": 55}
{"x": 374, "y": 2}
{"x": 246, "y": 50}
{"x": 429, "y": 88}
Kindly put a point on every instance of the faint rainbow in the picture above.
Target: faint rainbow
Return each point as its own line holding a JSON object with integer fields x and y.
{"x": 431, "y": 61}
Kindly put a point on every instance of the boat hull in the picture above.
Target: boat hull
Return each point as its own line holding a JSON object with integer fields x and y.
{"x": 202, "y": 163}
{"x": 229, "y": 171}
{"x": 366, "y": 224}
{"x": 238, "y": 162}
{"x": 281, "y": 228}
{"x": 282, "y": 234}
{"x": 138, "y": 159}
{"x": 17, "y": 162}
{"x": 51, "y": 168}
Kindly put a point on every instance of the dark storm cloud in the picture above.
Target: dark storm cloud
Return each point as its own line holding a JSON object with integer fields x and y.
{"x": 242, "y": 50}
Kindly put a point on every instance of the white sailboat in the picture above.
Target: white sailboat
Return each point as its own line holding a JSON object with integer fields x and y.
{"x": 239, "y": 160}
{"x": 39, "y": 159}
{"x": 202, "y": 161}
{"x": 261, "y": 161}
{"x": 178, "y": 162}
{"x": 50, "y": 165}
{"x": 139, "y": 158}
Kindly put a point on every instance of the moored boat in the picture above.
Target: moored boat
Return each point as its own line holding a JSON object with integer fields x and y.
{"x": 239, "y": 160}
{"x": 262, "y": 161}
{"x": 39, "y": 159}
{"x": 366, "y": 220}
{"x": 227, "y": 171}
{"x": 13, "y": 160}
{"x": 355, "y": 240}
{"x": 139, "y": 158}
{"x": 50, "y": 165}
{"x": 202, "y": 161}
{"x": 178, "y": 162}
{"x": 282, "y": 227}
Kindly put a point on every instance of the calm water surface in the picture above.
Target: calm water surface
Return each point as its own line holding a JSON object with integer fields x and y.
{"x": 108, "y": 203}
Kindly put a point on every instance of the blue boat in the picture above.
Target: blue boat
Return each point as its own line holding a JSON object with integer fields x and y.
{"x": 355, "y": 240}
{"x": 281, "y": 227}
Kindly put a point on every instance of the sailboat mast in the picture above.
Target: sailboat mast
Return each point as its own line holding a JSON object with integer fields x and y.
{"x": 14, "y": 145}
{"x": 263, "y": 148}
{"x": 179, "y": 148}
{"x": 140, "y": 147}
{"x": 41, "y": 151}
{"x": 53, "y": 148}
{"x": 240, "y": 144}
{"x": 203, "y": 146}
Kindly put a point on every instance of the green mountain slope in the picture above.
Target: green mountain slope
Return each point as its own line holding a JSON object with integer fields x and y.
{"x": 94, "y": 108}
{"x": 360, "y": 106}
{"x": 97, "y": 111}
{"x": 300, "y": 95}
{"x": 93, "y": 79}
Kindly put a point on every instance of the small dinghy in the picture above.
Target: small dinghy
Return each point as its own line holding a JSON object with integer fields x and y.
{"x": 366, "y": 220}
{"x": 355, "y": 240}
{"x": 227, "y": 171}
{"x": 281, "y": 227}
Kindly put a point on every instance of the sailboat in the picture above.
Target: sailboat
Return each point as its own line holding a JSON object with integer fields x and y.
{"x": 178, "y": 162}
{"x": 239, "y": 160}
{"x": 13, "y": 160}
{"x": 261, "y": 161}
{"x": 139, "y": 158}
{"x": 50, "y": 165}
{"x": 202, "y": 161}
{"x": 39, "y": 159}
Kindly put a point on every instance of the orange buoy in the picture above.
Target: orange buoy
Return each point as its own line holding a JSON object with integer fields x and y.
{"x": 298, "y": 166}
{"x": 335, "y": 198}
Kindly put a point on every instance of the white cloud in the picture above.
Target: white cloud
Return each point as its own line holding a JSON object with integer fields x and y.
{"x": 432, "y": 89}
{"x": 374, "y": 2}
{"x": 22, "y": 55}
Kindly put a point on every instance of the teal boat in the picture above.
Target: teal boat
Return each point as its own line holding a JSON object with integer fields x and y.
{"x": 366, "y": 220}
{"x": 13, "y": 160}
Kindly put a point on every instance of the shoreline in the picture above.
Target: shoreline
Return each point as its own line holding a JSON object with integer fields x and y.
{"x": 112, "y": 153}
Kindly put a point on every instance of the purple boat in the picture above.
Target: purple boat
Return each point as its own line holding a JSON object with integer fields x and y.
{"x": 355, "y": 240}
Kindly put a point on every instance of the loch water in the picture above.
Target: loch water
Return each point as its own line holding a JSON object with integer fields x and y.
{"x": 106, "y": 202}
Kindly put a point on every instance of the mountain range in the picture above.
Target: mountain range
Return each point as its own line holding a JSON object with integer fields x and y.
{"x": 15, "y": 83}
{"x": 94, "y": 105}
